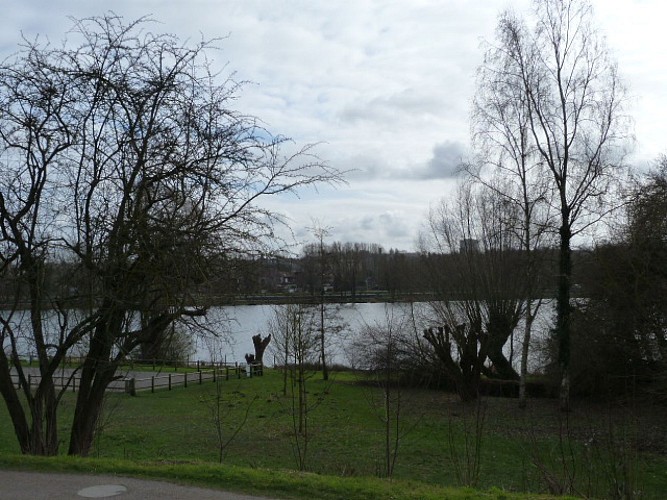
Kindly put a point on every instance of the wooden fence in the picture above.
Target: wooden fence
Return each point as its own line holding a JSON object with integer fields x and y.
{"x": 154, "y": 364}
{"x": 137, "y": 382}
{"x": 169, "y": 380}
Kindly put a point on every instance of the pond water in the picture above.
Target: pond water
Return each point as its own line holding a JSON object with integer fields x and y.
{"x": 226, "y": 332}
{"x": 235, "y": 326}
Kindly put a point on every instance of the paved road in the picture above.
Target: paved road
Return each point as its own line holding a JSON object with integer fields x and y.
{"x": 18, "y": 485}
{"x": 143, "y": 378}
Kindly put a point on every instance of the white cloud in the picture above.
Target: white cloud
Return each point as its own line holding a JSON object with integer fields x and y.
{"x": 385, "y": 86}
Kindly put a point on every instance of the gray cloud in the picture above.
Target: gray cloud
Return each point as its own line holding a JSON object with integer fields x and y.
{"x": 445, "y": 162}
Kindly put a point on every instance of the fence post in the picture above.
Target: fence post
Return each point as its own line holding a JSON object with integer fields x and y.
{"x": 170, "y": 381}
{"x": 185, "y": 380}
{"x": 152, "y": 384}
{"x": 130, "y": 387}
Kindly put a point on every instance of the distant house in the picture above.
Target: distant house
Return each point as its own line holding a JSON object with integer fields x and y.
{"x": 287, "y": 282}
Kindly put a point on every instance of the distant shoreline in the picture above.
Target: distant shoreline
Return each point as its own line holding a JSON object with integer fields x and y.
{"x": 267, "y": 299}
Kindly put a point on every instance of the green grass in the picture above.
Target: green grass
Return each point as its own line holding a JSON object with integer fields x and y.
{"x": 171, "y": 433}
{"x": 276, "y": 483}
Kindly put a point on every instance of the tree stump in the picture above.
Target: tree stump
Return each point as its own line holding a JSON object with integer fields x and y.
{"x": 260, "y": 346}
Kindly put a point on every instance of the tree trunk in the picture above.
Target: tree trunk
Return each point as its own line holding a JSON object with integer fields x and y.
{"x": 286, "y": 368}
{"x": 466, "y": 372}
{"x": 563, "y": 313}
{"x": 497, "y": 338}
{"x": 96, "y": 374}
{"x": 467, "y": 385}
{"x": 527, "y": 331}
{"x": 14, "y": 406}
{"x": 40, "y": 437}
{"x": 46, "y": 395}
{"x": 325, "y": 369}
{"x": 43, "y": 432}
{"x": 503, "y": 368}
{"x": 88, "y": 408}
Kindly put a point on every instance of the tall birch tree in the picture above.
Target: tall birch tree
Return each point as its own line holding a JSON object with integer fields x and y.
{"x": 555, "y": 86}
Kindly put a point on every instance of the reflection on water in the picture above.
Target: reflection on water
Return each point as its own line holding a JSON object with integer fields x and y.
{"x": 236, "y": 325}
{"x": 226, "y": 332}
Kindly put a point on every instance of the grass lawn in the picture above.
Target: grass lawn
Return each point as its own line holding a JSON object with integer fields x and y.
{"x": 595, "y": 448}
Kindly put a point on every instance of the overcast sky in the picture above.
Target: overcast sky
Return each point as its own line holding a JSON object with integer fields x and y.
{"x": 383, "y": 86}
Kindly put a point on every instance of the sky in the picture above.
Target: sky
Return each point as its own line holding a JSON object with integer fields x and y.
{"x": 383, "y": 88}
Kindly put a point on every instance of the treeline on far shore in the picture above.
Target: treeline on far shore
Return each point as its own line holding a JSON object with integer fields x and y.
{"x": 344, "y": 273}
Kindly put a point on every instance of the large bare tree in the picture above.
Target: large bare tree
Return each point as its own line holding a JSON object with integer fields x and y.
{"x": 507, "y": 162}
{"x": 473, "y": 254}
{"x": 122, "y": 155}
{"x": 567, "y": 102}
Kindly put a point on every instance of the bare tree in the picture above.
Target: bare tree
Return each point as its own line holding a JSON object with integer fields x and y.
{"x": 281, "y": 328}
{"x": 221, "y": 407}
{"x": 570, "y": 97}
{"x": 295, "y": 330}
{"x": 472, "y": 258}
{"x": 320, "y": 232}
{"x": 382, "y": 354}
{"x": 123, "y": 155}
{"x": 508, "y": 163}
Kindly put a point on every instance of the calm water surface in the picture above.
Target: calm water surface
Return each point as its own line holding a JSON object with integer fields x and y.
{"x": 226, "y": 332}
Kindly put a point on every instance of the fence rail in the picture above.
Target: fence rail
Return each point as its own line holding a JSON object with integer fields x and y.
{"x": 154, "y": 363}
{"x": 135, "y": 382}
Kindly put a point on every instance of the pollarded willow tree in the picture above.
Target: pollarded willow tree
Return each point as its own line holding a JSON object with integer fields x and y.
{"x": 123, "y": 157}
{"x": 472, "y": 258}
{"x": 568, "y": 104}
